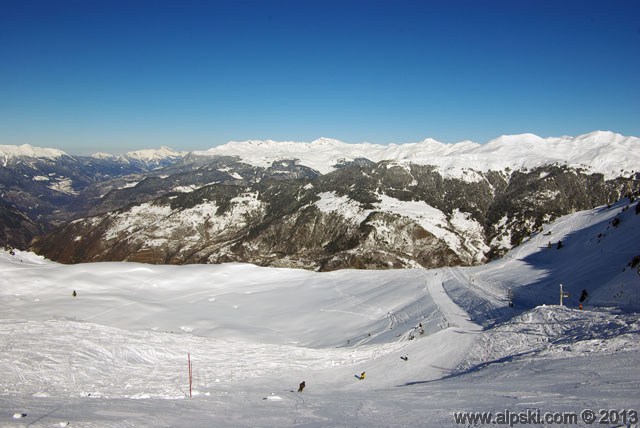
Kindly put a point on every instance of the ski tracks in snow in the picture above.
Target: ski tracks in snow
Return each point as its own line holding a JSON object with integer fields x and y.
{"x": 453, "y": 313}
{"x": 352, "y": 301}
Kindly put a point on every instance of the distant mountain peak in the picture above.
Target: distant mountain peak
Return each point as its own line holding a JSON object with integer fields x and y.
{"x": 324, "y": 141}
{"x": 606, "y": 134}
{"x": 154, "y": 154}
{"x": 516, "y": 139}
{"x": 602, "y": 137}
{"x": 101, "y": 155}
{"x": 27, "y": 150}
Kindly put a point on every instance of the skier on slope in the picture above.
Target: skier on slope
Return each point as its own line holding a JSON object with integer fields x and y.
{"x": 362, "y": 375}
{"x": 302, "y": 385}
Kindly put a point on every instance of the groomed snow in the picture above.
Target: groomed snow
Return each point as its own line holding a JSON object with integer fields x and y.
{"x": 116, "y": 354}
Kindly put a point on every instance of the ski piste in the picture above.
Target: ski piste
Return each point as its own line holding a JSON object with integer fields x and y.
{"x": 116, "y": 354}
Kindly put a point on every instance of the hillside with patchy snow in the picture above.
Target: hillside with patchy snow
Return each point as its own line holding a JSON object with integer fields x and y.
{"x": 324, "y": 205}
{"x": 369, "y": 216}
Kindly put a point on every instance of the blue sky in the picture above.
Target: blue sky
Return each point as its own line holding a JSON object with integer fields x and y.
{"x": 113, "y": 76}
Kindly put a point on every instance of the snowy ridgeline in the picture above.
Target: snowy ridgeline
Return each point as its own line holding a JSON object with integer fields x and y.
{"x": 604, "y": 152}
{"x": 254, "y": 333}
{"x": 599, "y": 151}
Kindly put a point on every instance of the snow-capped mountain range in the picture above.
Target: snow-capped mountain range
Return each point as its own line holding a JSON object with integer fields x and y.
{"x": 604, "y": 152}
{"x": 147, "y": 155}
{"x": 28, "y": 151}
{"x": 107, "y": 344}
{"x": 347, "y": 205}
{"x": 607, "y": 153}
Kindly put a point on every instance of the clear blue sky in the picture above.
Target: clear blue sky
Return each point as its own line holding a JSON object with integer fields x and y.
{"x": 113, "y": 76}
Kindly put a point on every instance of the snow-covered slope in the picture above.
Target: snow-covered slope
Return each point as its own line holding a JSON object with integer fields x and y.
{"x": 597, "y": 249}
{"x": 106, "y": 356}
{"x": 26, "y": 150}
{"x": 552, "y": 331}
{"x": 151, "y": 155}
{"x": 603, "y": 152}
{"x": 147, "y": 156}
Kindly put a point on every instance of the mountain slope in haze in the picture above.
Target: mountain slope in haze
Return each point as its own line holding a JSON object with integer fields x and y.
{"x": 50, "y": 187}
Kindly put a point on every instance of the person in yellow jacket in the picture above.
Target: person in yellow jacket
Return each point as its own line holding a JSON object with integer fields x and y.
{"x": 362, "y": 376}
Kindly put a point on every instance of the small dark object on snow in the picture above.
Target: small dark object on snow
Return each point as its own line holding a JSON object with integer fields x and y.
{"x": 74, "y": 293}
{"x": 406, "y": 358}
{"x": 584, "y": 295}
{"x": 302, "y": 385}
